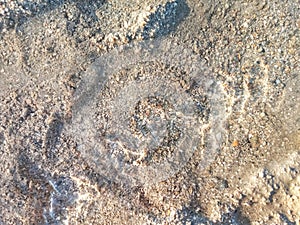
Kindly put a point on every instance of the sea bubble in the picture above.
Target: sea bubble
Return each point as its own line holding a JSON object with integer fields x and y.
{"x": 142, "y": 110}
{"x": 290, "y": 106}
{"x": 289, "y": 115}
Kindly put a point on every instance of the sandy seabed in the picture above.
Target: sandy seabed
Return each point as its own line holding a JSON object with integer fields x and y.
{"x": 56, "y": 107}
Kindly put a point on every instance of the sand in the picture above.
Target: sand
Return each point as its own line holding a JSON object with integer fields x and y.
{"x": 96, "y": 97}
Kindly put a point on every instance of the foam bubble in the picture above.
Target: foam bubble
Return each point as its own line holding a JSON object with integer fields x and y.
{"x": 142, "y": 110}
{"x": 290, "y": 106}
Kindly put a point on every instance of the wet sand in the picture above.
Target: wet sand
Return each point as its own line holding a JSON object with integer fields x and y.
{"x": 251, "y": 50}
